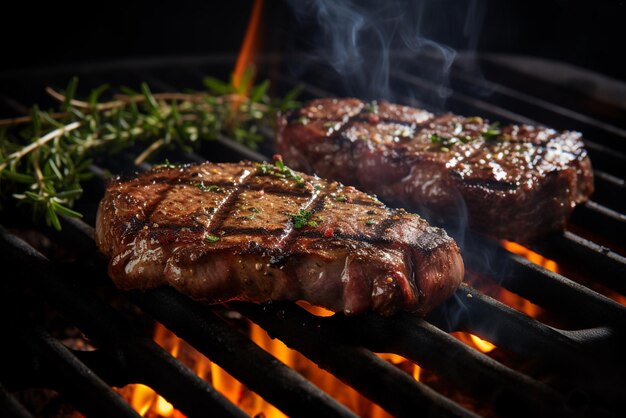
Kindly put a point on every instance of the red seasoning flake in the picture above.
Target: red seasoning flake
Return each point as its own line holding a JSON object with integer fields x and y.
{"x": 277, "y": 157}
{"x": 260, "y": 193}
{"x": 373, "y": 119}
{"x": 329, "y": 232}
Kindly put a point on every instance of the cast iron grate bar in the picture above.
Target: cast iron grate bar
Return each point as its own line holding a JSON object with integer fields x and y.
{"x": 10, "y": 407}
{"x": 87, "y": 391}
{"x": 431, "y": 348}
{"x": 239, "y": 356}
{"x": 604, "y": 265}
{"x": 394, "y": 390}
{"x": 610, "y": 190}
{"x": 190, "y": 394}
{"x": 542, "y": 286}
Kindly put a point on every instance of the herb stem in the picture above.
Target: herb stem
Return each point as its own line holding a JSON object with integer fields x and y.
{"x": 28, "y": 119}
{"x": 44, "y": 157}
{"x": 146, "y": 153}
{"x": 41, "y": 142}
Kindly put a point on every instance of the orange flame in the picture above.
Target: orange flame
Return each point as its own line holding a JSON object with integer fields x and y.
{"x": 474, "y": 341}
{"x": 145, "y": 400}
{"x": 530, "y": 255}
{"x": 313, "y": 309}
{"x": 148, "y": 403}
{"x": 247, "y": 47}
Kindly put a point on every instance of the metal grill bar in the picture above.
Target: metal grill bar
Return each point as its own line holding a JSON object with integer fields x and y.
{"x": 395, "y": 391}
{"x": 433, "y": 349}
{"x": 86, "y": 390}
{"x": 596, "y": 217}
{"x": 243, "y": 359}
{"x": 600, "y": 262}
{"x": 542, "y": 286}
{"x": 191, "y": 395}
{"x": 10, "y": 407}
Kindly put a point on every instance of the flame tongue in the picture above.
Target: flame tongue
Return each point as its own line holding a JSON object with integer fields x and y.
{"x": 244, "y": 60}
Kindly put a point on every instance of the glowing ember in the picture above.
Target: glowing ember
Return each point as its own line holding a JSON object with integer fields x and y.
{"x": 530, "y": 255}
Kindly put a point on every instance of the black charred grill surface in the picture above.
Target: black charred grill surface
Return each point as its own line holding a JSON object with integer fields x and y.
{"x": 573, "y": 368}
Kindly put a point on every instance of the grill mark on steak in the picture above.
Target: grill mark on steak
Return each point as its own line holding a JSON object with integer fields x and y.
{"x": 227, "y": 206}
{"x": 138, "y": 224}
{"x": 294, "y": 233}
{"x": 519, "y": 183}
{"x": 398, "y": 264}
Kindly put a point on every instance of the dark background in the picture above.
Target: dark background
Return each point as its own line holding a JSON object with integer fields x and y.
{"x": 588, "y": 34}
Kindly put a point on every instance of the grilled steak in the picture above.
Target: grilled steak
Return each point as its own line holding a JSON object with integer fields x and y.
{"x": 516, "y": 182}
{"x": 261, "y": 232}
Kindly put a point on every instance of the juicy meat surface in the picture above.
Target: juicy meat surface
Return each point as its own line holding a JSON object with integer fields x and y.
{"x": 517, "y": 181}
{"x": 260, "y": 232}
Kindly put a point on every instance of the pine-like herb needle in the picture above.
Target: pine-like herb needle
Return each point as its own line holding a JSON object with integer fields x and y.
{"x": 45, "y": 156}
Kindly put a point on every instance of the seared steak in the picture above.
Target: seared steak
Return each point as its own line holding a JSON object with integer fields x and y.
{"x": 262, "y": 232}
{"x": 516, "y": 182}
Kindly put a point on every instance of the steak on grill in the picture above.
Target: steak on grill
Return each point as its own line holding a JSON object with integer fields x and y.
{"x": 260, "y": 232}
{"x": 516, "y": 182}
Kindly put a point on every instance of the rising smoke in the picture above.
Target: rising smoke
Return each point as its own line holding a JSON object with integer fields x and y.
{"x": 363, "y": 41}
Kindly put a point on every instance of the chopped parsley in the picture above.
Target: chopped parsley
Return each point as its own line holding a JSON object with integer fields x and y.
{"x": 302, "y": 218}
{"x": 211, "y": 238}
{"x": 341, "y": 198}
{"x": 167, "y": 164}
{"x": 210, "y": 188}
{"x": 492, "y": 132}
{"x": 371, "y": 107}
{"x": 279, "y": 169}
{"x": 445, "y": 142}
{"x": 369, "y": 221}
{"x": 302, "y": 120}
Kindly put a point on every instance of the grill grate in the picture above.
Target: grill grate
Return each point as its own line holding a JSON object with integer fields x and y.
{"x": 586, "y": 356}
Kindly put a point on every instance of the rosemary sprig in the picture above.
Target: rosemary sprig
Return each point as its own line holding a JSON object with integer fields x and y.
{"x": 45, "y": 156}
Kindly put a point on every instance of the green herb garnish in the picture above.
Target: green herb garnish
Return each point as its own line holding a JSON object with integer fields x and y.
{"x": 210, "y": 188}
{"x": 341, "y": 198}
{"x": 302, "y": 218}
{"x": 279, "y": 169}
{"x": 166, "y": 164}
{"x": 211, "y": 238}
{"x": 492, "y": 132}
{"x": 369, "y": 221}
{"x": 45, "y": 156}
{"x": 371, "y": 107}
